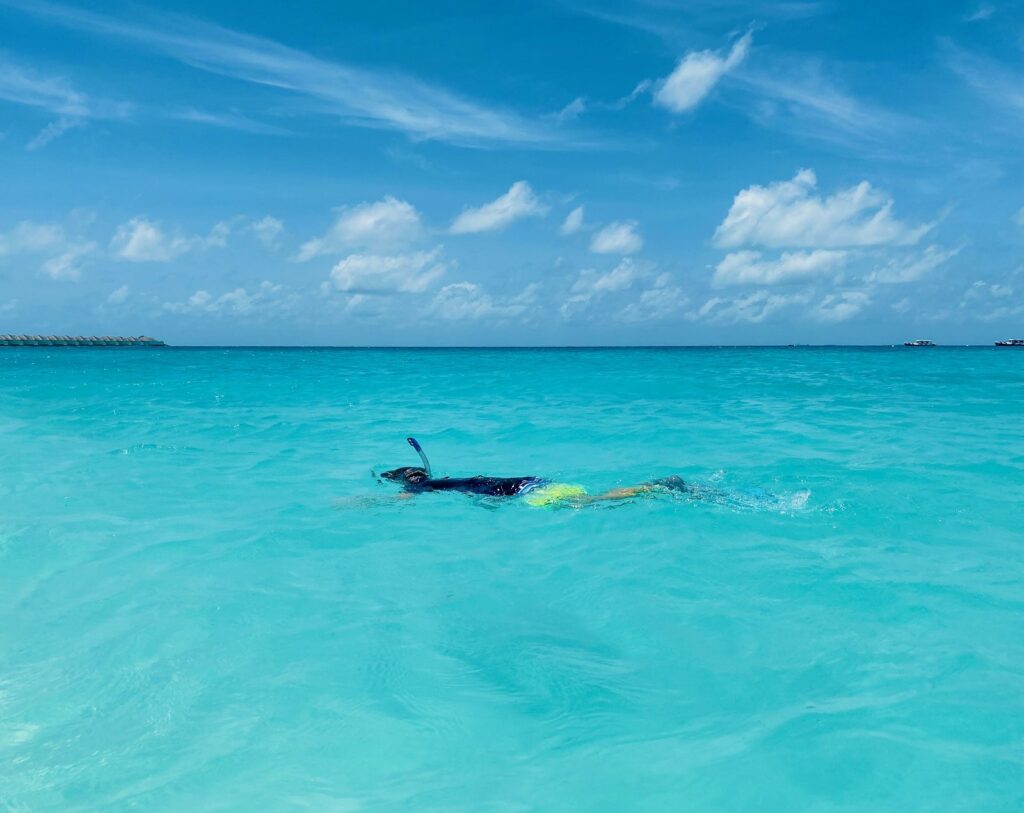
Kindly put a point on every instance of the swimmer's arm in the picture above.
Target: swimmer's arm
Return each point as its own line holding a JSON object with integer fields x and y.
{"x": 368, "y": 501}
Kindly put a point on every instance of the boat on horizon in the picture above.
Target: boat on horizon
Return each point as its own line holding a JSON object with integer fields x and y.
{"x": 1010, "y": 343}
{"x": 919, "y": 343}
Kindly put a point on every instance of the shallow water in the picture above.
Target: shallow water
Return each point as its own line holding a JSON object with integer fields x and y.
{"x": 200, "y": 609}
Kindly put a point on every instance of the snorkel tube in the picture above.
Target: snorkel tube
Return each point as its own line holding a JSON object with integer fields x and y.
{"x": 419, "y": 450}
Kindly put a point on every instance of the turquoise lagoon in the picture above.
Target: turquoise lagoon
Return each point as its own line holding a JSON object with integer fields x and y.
{"x": 208, "y": 603}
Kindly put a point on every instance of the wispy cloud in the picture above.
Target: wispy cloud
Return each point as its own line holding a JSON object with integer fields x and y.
{"x": 467, "y": 301}
{"x": 991, "y": 301}
{"x": 573, "y": 222}
{"x": 581, "y": 104}
{"x": 22, "y": 85}
{"x": 696, "y": 76}
{"x": 753, "y": 308}
{"x": 592, "y": 284}
{"x": 53, "y": 130}
{"x": 660, "y": 301}
{"x": 517, "y": 203}
{"x": 65, "y": 256}
{"x": 54, "y": 94}
{"x": 241, "y": 302}
{"x": 227, "y": 120}
{"x": 841, "y": 306}
{"x": 68, "y": 263}
{"x": 572, "y": 111}
{"x": 676, "y": 21}
{"x": 29, "y": 238}
{"x": 1001, "y": 86}
{"x": 620, "y": 237}
{"x": 360, "y": 96}
{"x": 380, "y": 274}
{"x": 748, "y": 267}
{"x": 914, "y": 266}
{"x": 982, "y": 11}
{"x": 268, "y": 230}
{"x": 800, "y": 96}
{"x": 144, "y": 240}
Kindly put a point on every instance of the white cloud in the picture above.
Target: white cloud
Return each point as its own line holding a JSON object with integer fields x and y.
{"x": 592, "y": 284}
{"x": 69, "y": 263}
{"x": 268, "y": 230}
{"x": 143, "y": 240}
{"x": 991, "y": 301}
{"x": 466, "y": 301}
{"x": 641, "y": 87}
{"x": 580, "y": 105}
{"x": 998, "y": 290}
{"x": 29, "y": 238}
{"x": 574, "y": 222}
{"x": 571, "y": 111}
{"x": 119, "y": 296}
{"x": 239, "y": 302}
{"x": 53, "y": 130}
{"x": 228, "y": 120}
{"x": 53, "y": 94}
{"x": 1019, "y": 217}
{"x": 218, "y": 236}
{"x": 199, "y": 301}
{"x": 661, "y": 300}
{"x": 517, "y": 203}
{"x": 1003, "y": 87}
{"x": 987, "y": 290}
{"x": 696, "y": 75}
{"x": 49, "y": 93}
{"x": 982, "y": 12}
{"x": 67, "y": 255}
{"x": 912, "y": 267}
{"x": 387, "y": 223}
{"x": 358, "y": 96}
{"x": 387, "y": 274}
{"x": 798, "y": 94}
{"x": 840, "y": 307}
{"x": 788, "y": 214}
{"x": 747, "y": 267}
{"x": 617, "y": 238}
{"x": 753, "y": 308}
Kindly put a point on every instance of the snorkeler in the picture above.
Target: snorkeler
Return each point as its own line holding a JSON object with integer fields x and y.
{"x": 536, "y": 491}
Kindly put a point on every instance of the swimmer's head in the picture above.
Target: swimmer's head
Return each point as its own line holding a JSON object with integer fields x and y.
{"x": 406, "y": 474}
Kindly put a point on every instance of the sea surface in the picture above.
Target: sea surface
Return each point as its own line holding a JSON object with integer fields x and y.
{"x": 208, "y": 603}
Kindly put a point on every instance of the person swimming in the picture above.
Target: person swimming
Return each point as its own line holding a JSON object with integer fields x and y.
{"x": 537, "y": 491}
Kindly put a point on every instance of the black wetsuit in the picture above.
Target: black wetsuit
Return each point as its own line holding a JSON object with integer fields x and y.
{"x": 486, "y": 486}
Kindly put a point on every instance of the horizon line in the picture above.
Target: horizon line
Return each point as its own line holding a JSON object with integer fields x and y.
{"x": 787, "y": 346}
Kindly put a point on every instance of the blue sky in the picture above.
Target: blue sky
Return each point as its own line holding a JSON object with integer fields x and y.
{"x": 556, "y": 172}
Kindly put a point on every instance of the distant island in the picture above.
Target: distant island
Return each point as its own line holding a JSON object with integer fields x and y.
{"x": 80, "y": 341}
